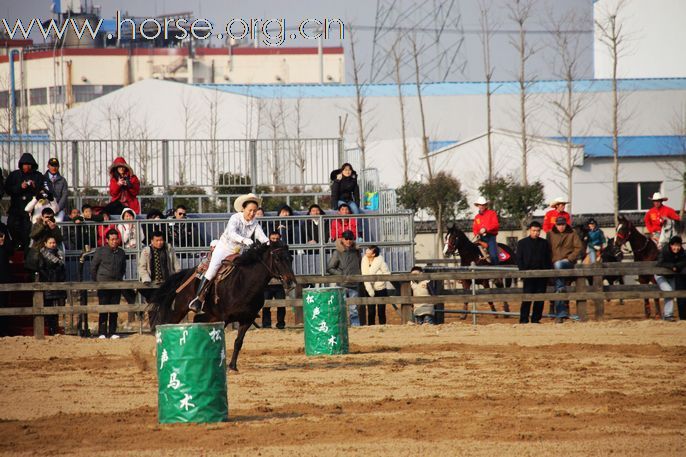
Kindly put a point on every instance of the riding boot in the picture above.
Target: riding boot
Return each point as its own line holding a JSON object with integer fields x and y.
{"x": 197, "y": 303}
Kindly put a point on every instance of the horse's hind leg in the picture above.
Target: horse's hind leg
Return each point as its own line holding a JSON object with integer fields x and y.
{"x": 658, "y": 312}
{"x": 506, "y": 308}
{"x": 646, "y": 307}
{"x": 238, "y": 344}
{"x": 466, "y": 307}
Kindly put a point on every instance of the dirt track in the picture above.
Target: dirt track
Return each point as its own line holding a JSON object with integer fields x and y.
{"x": 502, "y": 389}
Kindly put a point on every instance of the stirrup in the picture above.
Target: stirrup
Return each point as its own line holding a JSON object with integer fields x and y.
{"x": 196, "y": 306}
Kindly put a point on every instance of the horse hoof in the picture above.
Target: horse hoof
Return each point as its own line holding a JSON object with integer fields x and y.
{"x": 234, "y": 369}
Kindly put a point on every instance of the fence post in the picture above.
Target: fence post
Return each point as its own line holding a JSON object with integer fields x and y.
{"x": 599, "y": 304}
{"x": 581, "y": 308}
{"x": 75, "y": 167}
{"x": 406, "y": 309}
{"x": 439, "y": 315}
{"x": 165, "y": 165}
{"x": 38, "y": 318}
{"x": 253, "y": 165}
{"x": 298, "y": 310}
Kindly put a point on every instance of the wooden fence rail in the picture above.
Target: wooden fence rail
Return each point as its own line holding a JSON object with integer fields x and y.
{"x": 596, "y": 293}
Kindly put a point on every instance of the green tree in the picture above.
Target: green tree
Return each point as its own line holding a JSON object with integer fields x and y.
{"x": 509, "y": 198}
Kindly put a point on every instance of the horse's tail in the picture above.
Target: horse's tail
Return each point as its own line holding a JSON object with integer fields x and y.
{"x": 160, "y": 309}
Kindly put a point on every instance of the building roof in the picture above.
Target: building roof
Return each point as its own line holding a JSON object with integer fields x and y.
{"x": 443, "y": 88}
{"x": 632, "y": 146}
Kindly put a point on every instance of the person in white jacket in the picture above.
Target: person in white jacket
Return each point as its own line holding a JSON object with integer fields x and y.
{"x": 131, "y": 234}
{"x": 374, "y": 264}
{"x": 238, "y": 236}
{"x": 43, "y": 199}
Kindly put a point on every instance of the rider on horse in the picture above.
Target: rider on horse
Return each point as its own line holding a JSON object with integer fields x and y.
{"x": 558, "y": 205}
{"x": 657, "y": 220}
{"x": 237, "y": 236}
{"x": 486, "y": 228}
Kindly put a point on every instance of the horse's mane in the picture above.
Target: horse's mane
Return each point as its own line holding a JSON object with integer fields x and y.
{"x": 252, "y": 255}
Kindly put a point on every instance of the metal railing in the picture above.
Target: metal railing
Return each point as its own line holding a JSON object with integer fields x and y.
{"x": 311, "y": 239}
{"x": 207, "y": 163}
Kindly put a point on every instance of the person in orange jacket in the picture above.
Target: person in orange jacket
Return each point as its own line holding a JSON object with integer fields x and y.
{"x": 657, "y": 220}
{"x": 486, "y": 228}
{"x": 558, "y": 210}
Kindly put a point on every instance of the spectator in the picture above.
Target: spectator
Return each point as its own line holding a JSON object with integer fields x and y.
{"x": 148, "y": 229}
{"x": 660, "y": 220}
{"x": 259, "y": 214}
{"x": 43, "y": 199}
{"x": 6, "y": 251}
{"x": 338, "y": 226}
{"x": 157, "y": 262}
{"x": 57, "y": 185}
{"x": 51, "y": 269}
{"x": 182, "y": 233}
{"x": 672, "y": 256}
{"x": 346, "y": 260}
{"x": 108, "y": 264}
{"x": 86, "y": 234}
{"x": 565, "y": 248}
{"x": 287, "y": 228}
{"x": 486, "y": 227}
{"x": 103, "y": 228}
{"x": 2, "y": 184}
{"x": 558, "y": 209}
{"x": 40, "y": 232}
{"x": 344, "y": 188}
{"x": 596, "y": 241}
{"x": 124, "y": 188}
{"x": 21, "y": 186}
{"x": 373, "y": 264}
{"x": 310, "y": 228}
{"x": 73, "y": 214}
{"x": 533, "y": 253}
{"x": 423, "y": 312}
{"x": 130, "y": 233}
{"x": 274, "y": 290}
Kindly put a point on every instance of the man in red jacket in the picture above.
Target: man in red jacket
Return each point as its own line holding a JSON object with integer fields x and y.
{"x": 558, "y": 210}
{"x": 486, "y": 228}
{"x": 124, "y": 188}
{"x": 657, "y": 220}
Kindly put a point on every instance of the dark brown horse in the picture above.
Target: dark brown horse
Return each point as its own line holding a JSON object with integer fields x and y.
{"x": 644, "y": 250}
{"x": 456, "y": 242}
{"x": 240, "y": 295}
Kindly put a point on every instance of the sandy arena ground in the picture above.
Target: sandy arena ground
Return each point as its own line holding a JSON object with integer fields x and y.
{"x": 614, "y": 387}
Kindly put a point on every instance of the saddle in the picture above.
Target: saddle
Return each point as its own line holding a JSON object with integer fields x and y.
{"x": 224, "y": 271}
{"x": 503, "y": 255}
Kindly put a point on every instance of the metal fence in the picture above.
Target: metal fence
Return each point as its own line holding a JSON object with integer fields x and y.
{"x": 311, "y": 239}
{"x": 208, "y": 163}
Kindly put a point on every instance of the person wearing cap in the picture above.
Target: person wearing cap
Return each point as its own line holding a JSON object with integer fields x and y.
{"x": 157, "y": 262}
{"x": 347, "y": 260}
{"x": 240, "y": 233}
{"x": 657, "y": 220}
{"x": 486, "y": 227}
{"x": 565, "y": 248}
{"x": 558, "y": 209}
{"x": 57, "y": 184}
{"x": 596, "y": 240}
{"x": 673, "y": 257}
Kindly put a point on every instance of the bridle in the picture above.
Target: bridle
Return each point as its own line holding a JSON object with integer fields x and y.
{"x": 625, "y": 238}
{"x": 450, "y": 245}
{"x": 270, "y": 268}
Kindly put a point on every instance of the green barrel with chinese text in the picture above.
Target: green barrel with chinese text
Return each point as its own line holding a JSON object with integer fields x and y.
{"x": 326, "y": 321}
{"x": 191, "y": 373}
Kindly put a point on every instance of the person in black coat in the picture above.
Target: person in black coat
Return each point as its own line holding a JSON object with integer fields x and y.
{"x": 109, "y": 264}
{"x": 673, "y": 257}
{"x": 6, "y": 251}
{"x": 51, "y": 269}
{"x": 309, "y": 229}
{"x": 344, "y": 188}
{"x": 533, "y": 253}
{"x": 21, "y": 186}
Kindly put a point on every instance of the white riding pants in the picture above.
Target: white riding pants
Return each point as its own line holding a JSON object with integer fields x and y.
{"x": 221, "y": 251}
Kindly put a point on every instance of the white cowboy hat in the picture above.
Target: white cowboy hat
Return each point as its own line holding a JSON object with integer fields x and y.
{"x": 657, "y": 196}
{"x": 240, "y": 202}
{"x": 556, "y": 201}
{"x": 481, "y": 201}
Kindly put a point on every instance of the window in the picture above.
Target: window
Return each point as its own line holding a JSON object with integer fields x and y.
{"x": 635, "y": 196}
{"x": 38, "y": 96}
{"x": 57, "y": 94}
{"x": 85, "y": 93}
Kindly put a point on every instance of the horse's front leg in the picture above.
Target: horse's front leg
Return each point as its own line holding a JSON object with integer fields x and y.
{"x": 238, "y": 344}
{"x": 658, "y": 311}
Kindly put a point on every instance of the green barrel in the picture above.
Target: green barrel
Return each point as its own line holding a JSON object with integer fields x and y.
{"x": 191, "y": 373}
{"x": 326, "y": 321}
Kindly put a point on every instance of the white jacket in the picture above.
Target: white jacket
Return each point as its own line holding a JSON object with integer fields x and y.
{"x": 376, "y": 267}
{"x": 36, "y": 207}
{"x": 238, "y": 229}
{"x": 130, "y": 237}
{"x": 421, "y": 289}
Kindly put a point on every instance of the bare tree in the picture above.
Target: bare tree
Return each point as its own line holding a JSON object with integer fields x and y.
{"x": 487, "y": 30}
{"x": 360, "y": 99}
{"x": 397, "y": 57}
{"x": 570, "y": 103}
{"x": 425, "y": 138}
{"x": 190, "y": 125}
{"x": 610, "y": 30}
{"x": 212, "y": 155}
{"x": 520, "y": 12}
{"x": 299, "y": 150}
{"x": 676, "y": 169}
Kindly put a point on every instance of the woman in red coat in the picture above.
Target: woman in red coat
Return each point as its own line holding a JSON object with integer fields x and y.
{"x": 124, "y": 188}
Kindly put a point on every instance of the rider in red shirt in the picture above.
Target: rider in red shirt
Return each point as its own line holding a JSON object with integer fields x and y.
{"x": 558, "y": 210}
{"x": 486, "y": 227}
{"x": 656, "y": 217}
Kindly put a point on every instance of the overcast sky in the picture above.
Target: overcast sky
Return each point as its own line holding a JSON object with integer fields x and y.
{"x": 442, "y": 59}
